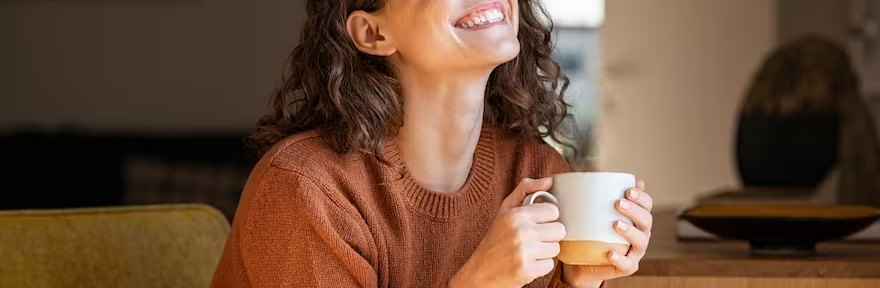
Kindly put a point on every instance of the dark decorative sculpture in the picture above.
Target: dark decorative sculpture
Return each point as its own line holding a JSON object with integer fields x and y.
{"x": 802, "y": 115}
{"x": 802, "y": 118}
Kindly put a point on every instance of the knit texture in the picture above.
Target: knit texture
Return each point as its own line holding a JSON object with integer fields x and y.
{"x": 309, "y": 217}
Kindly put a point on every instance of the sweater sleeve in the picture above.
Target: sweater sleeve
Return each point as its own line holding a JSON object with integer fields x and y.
{"x": 556, "y": 280}
{"x": 549, "y": 161}
{"x": 299, "y": 234}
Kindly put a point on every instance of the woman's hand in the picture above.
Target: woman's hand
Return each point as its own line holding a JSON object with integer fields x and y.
{"x": 637, "y": 206}
{"x": 520, "y": 245}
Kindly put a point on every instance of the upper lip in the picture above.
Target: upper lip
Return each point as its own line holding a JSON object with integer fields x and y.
{"x": 481, "y": 6}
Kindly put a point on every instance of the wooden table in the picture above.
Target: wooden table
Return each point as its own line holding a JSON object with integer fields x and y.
{"x": 672, "y": 263}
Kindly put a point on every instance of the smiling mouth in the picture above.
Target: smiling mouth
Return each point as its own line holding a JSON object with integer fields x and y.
{"x": 491, "y": 13}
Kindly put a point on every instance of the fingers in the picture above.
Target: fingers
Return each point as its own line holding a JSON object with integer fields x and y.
{"x": 641, "y": 185}
{"x": 549, "y": 232}
{"x": 544, "y": 250}
{"x": 638, "y": 239}
{"x": 526, "y": 186}
{"x": 538, "y": 212}
{"x": 639, "y": 215}
{"x": 540, "y": 268}
{"x": 625, "y": 265}
{"x": 638, "y": 196}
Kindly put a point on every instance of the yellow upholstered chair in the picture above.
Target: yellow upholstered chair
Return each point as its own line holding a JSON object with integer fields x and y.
{"x": 174, "y": 246}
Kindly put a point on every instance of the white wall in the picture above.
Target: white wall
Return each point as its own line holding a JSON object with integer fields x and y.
{"x": 155, "y": 65}
{"x": 674, "y": 74}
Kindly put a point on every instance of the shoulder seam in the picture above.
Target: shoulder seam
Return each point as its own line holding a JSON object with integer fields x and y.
{"x": 366, "y": 234}
{"x": 290, "y": 142}
{"x": 324, "y": 189}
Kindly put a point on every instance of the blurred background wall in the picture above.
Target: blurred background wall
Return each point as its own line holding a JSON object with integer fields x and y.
{"x": 167, "y": 65}
{"x": 798, "y": 17}
{"x": 135, "y": 102}
{"x": 674, "y": 75}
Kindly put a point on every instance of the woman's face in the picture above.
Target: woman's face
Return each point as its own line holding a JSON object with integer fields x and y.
{"x": 439, "y": 36}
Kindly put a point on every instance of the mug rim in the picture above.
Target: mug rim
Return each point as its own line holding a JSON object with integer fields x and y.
{"x": 587, "y": 174}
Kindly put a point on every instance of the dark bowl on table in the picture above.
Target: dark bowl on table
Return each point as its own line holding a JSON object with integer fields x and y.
{"x": 781, "y": 229}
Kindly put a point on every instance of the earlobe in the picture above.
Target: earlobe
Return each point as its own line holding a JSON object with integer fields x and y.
{"x": 367, "y": 34}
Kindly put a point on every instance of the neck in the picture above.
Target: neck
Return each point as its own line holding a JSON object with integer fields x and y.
{"x": 442, "y": 122}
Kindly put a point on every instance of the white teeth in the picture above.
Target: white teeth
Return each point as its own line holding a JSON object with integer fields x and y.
{"x": 481, "y": 18}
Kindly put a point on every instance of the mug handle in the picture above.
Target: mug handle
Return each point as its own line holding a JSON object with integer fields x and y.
{"x": 540, "y": 194}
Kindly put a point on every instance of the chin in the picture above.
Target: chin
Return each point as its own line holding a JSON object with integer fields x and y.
{"x": 503, "y": 53}
{"x": 510, "y": 51}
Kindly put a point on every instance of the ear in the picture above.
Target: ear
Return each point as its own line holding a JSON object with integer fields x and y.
{"x": 368, "y": 35}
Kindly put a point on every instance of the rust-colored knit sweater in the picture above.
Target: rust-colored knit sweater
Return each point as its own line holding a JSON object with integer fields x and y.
{"x": 309, "y": 217}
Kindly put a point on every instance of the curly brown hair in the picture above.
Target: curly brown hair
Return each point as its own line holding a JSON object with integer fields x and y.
{"x": 353, "y": 98}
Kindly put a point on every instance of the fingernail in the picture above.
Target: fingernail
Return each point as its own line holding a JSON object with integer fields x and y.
{"x": 615, "y": 257}
{"x": 621, "y": 225}
{"x": 634, "y": 194}
{"x": 624, "y": 204}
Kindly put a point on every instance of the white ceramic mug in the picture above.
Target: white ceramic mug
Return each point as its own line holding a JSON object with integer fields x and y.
{"x": 586, "y": 208}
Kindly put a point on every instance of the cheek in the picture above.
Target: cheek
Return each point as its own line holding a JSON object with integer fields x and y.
{"x": 440, "y": 49}
{"x": 426, "y": 39}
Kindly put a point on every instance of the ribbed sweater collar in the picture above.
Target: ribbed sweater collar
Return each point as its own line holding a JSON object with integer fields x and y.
{"x": 445, "y": 206}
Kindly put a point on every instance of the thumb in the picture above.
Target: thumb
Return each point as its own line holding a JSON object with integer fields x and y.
{"x": 526, "y": 186}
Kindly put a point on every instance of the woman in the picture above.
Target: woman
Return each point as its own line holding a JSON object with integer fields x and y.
{"x": 399, "y": 147}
